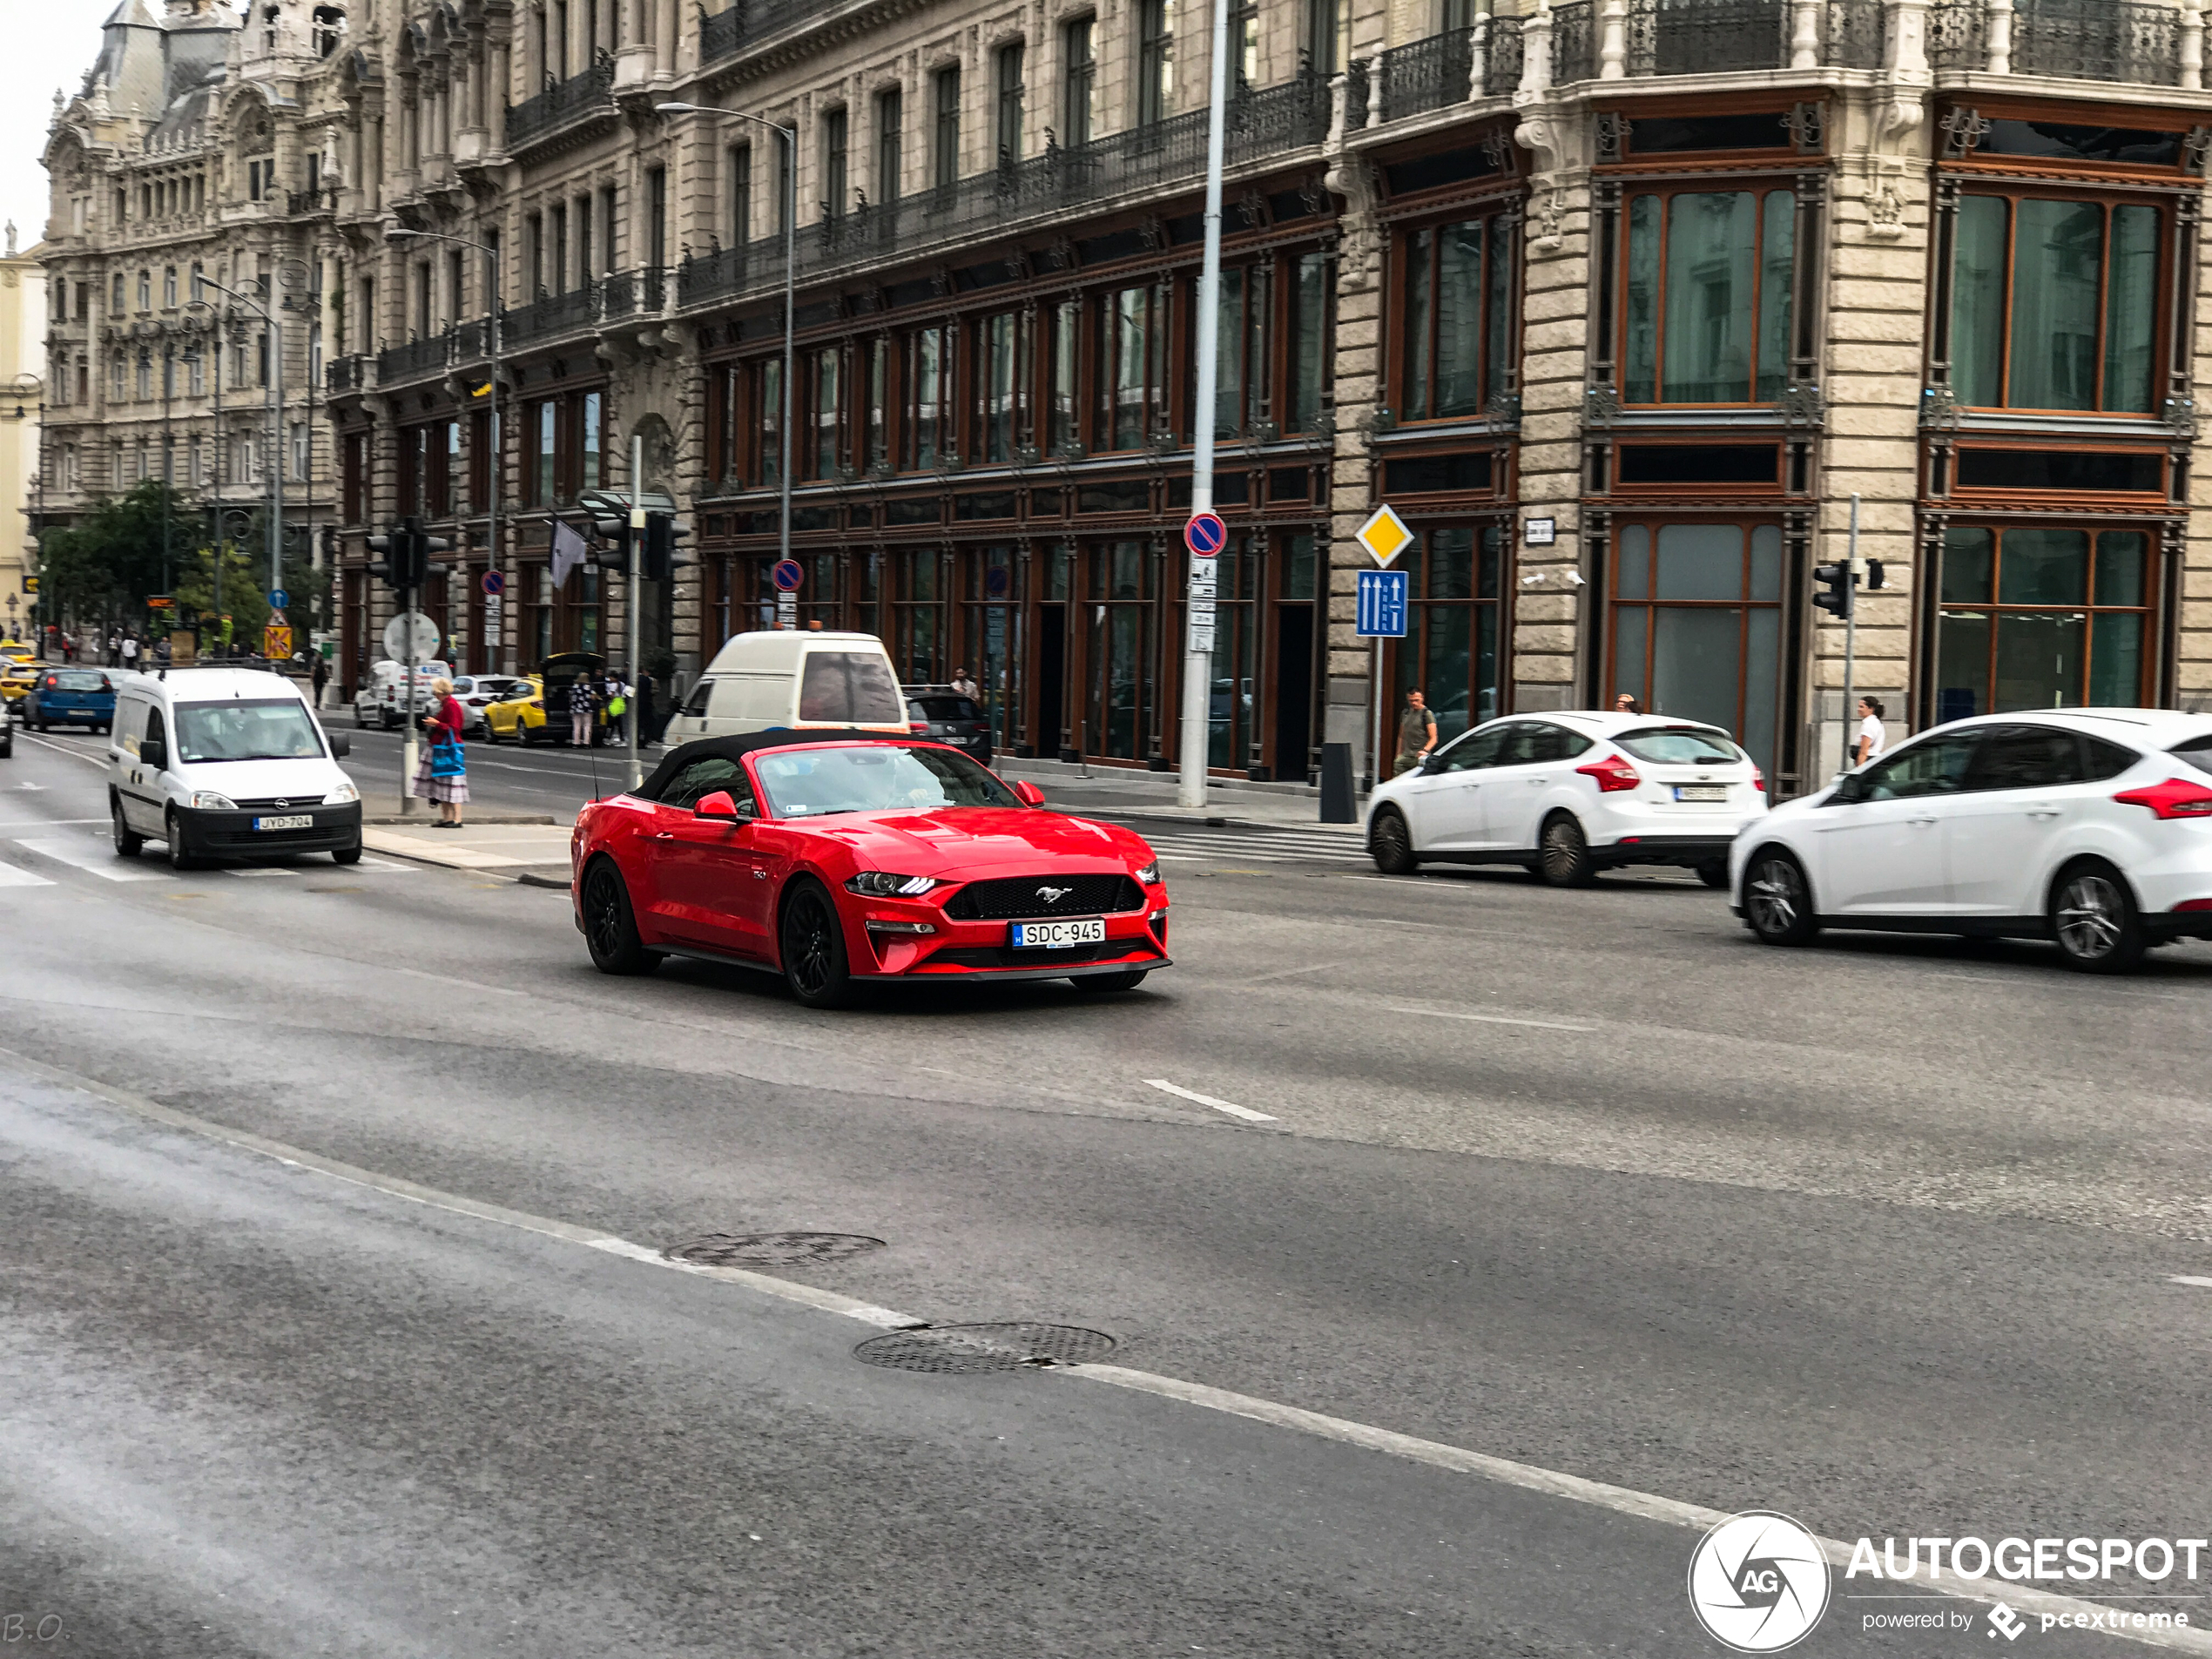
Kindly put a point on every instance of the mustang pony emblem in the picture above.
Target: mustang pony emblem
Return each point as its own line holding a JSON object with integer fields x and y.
{"x": 1053, "y": 895}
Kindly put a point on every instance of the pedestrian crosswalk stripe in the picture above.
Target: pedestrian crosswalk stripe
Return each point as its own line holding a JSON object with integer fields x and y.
{"x": 257, "y": 869}
{"x": 370, "y": 862}
{"x": 87, "y": 854}
{"x": 13, "y": 876}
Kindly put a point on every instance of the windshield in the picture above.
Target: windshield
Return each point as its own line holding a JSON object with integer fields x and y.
{"x": 808, "y": 783}
{"x": 942, "y": 708}
{"x": 849, "y": 688}
{"x": 1680, "y": 745}
{"x": 275, "y": 728}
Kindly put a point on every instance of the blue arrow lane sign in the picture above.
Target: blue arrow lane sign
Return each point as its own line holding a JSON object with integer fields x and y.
{"x": 1382, "y": 603}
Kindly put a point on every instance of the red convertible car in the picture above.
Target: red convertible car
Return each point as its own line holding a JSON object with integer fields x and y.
{"x": 844, "y": 859}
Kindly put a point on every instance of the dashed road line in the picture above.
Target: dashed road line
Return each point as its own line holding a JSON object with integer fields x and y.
{"x": 2191, "y": 1278}
{"x": 1494, "y": 1018}
{"x": 1229, "y": 1106}
{"x": 13, "y": 875}
{"x": 88, "y": 855}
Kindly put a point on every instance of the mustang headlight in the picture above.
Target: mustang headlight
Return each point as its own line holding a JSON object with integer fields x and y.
{"x": 341, "y": 795}
{"x": 882, "y": 884}
{"x": 1149, "y": 875}
{"x": 213, "y": 800}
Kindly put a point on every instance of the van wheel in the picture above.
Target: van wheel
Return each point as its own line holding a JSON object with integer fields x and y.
{"x": 180, "y": 857}
{"x": 347, "y": 855}
{"x": 1715, "y": 875}
{"x": 2094, "y": 919}
{"x": 128, "y": 842}
{"x": 1563, "y": 853}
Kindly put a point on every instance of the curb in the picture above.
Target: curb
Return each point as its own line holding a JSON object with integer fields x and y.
{"x": 394, "y": 821}
{"x": 531, "y": 879}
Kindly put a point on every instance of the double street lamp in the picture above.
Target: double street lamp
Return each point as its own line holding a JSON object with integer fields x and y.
{"x": 276, "y": 424}
{"x": 790, "y": 136}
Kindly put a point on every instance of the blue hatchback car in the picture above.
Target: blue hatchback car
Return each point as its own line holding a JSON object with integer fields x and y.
{"x": 82, "y": 697}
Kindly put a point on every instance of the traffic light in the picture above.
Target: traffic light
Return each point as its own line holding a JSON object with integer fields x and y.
{"x": 403, "y": 555}
{"x": 385, "y": 567}
{"x": 663, "y": 554}
{"x": 425, "y": 545}
{"x": 1836, "y": 580}
{"x": 1873, "y": 573}
{"x": 613, "y": 533}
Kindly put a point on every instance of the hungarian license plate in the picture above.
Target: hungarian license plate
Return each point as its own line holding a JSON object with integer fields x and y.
{"x": 1055, "y": 936}
{"x": 290, "y": 820}
{"x": 1701, "y": 792}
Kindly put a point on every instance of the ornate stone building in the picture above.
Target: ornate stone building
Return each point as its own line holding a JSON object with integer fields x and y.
{"x": 1618, "y": 302}
{"x": 199, "y": 157}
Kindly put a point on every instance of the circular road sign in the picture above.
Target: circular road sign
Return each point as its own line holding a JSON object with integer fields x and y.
{"x": 495, "y": 583}
{"x": 787, "y": 576}
{"x": 1204, "y": 534}
{"x": 411, "y": 630}
{"x": 279, "y": 598}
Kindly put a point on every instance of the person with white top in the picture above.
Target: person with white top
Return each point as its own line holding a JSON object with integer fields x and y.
{"x": 1874, "y": 736}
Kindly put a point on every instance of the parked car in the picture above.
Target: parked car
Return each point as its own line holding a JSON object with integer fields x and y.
{"x": 382, "y": 698}
{"x": 227, "y": 762}
{"x": 65, "y": 697}
{"x": 1569, "y": 794}
{"x": 519, "y": 713}
{"x": 2088, "y": 828}
{"x": 944, "y": 716}
{"x": 476, "y": 693}
{"x": 17, "y": 677}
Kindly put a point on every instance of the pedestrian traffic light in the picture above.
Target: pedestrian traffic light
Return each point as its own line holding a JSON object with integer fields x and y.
{"x": 1836, "y": 580}
{"x": 662, "y": 552}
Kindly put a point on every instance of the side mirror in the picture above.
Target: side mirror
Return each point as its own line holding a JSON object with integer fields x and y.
{"x": 340, "y": 744}
{"x": 719, "y": 806}
{"x": 154, "y": 752}
{"x": 1028, "y": 794}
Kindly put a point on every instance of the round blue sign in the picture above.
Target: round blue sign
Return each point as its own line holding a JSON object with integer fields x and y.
{"x": 997, "y": 581}
{"x": 787, "y": 576}
{"x": 1205, "y": 534}
{"x": 279, "y": 598}
{"x": 495, "y": 583}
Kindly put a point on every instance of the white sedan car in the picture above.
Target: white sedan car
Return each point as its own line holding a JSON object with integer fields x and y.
{"x": 2089, "y": 827}
{"x": 477, "y": 692}
{"x": 1569, "y": 794}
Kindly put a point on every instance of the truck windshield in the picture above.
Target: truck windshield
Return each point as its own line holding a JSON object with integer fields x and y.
{"x": 807, "y": 782}
{"x": 275, "y": 728}
{"x": 849, "y": 688}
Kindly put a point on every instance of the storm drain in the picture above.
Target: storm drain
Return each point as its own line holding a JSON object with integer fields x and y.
{"x": 770, "y": 1249}
{"x": 959, "y": 1349}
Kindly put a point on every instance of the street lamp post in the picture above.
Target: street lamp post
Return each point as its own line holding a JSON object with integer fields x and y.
{"x": 276, "y": 427}
{"x": 398, "y": 233}
{"x": 790, "y": 136}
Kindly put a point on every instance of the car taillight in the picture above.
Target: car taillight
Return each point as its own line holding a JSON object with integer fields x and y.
{"x": 1613, "y": 773}
{"x": 920, "y": 728}
{"x": 1758, "y": 781}
{"x": 536, "y": 704}
{"x": 2175, "y": 798}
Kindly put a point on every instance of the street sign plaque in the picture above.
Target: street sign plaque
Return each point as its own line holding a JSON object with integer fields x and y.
{"x": 276, "y": 642}
{"x": 278, "y": 599}
{"x": 1382, "y": 603}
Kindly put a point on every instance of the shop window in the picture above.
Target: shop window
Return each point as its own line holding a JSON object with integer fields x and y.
{"x": 824, "y": 412}
{"x": 1457, "y": 291}
{"x": 768, "y": 417}
{"x": 1706, "y": 303}
{"x": 2140, "y": 472}
{"x": 1124, "y": 689}
{"x": 1696, "y": 623}
{"x": 2039, "y": 617}
{"x": 928, "y": 379}
{"x": 545, "y": 422}
{"x": 1308, "y": 365}
{"x": 875, "y": 360}
{"x": 1241, "y": 342}
{"x": 1001, "y": 376}
{"x": 1450, "y": 652}
{"x": 1063, "y": 432}
{"x": 2054, "y": 304}
{"x": 1132, "y": 365}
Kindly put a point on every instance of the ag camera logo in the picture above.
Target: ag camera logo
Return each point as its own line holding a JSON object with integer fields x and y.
{"x": 1758, "y": 1582}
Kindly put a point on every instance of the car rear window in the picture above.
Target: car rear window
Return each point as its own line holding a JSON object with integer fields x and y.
{"x": 1680, "y": 745}
{"x": 2197, "y": 751}
{"x": 77, "y": 679}
{"x": 942, "y": 708}
{"x": 849, "y": 688}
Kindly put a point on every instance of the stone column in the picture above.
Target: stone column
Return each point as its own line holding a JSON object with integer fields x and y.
{"x": 664, "y": 40}
{"x": 1613, "y": 38}
{"x": 2001, "y": 38}
{"x": 500, "y": 91}
{"x": 1805, "y": 35}
{"x": 2192, "y": 53}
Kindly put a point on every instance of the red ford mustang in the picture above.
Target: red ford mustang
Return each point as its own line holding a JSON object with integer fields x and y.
{"x": 842, "y": 859}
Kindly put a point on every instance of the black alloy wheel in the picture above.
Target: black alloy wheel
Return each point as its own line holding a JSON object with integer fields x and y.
{"x": 1777, "y": 899}
{"x": 1101, "y": 984}
{"x": 609, "y": 927}
{"x": 813, "y": 943}
{"x": 1391, "y": 844}
{"x": 1714, "y": 875}
{"x": 2094, "y": 919}
{"x": 1563, "y": 853}
{"x": 128, "y": 842}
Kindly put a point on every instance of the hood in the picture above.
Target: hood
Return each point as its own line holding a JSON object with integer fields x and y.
{"x": 305, "y": 780}
{"x": 978, "y": 840}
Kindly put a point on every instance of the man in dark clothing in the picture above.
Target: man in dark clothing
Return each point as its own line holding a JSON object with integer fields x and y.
{"x": 1416, "y": 733}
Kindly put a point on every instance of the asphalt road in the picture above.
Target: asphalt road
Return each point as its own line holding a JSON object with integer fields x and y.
{"x": 1884, "y": 1235}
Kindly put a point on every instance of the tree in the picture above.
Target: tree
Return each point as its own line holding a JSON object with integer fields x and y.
{"x": 108, "y": 564}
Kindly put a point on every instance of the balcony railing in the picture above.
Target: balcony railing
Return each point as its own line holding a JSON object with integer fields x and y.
{"x": 2098, "y": 40}
{"x": 429, "y": 354}
{"x": 1856, "y": 33}
{"x": 1707, "y": 37}
{"x": 561, "y": 103}
{"x": 1442, "y": 70}
{"x": 743, "y": 22}
{"x": 343, "y": 374}
{"x": 1270, "y": 122}
{"x": 1574, "y": 41}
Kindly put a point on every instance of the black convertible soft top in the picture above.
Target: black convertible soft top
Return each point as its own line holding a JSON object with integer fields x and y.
{"x": 748, "y": 743}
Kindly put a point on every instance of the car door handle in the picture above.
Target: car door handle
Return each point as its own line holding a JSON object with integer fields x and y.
{"x": 759, "y": 874}
{"x": 2042, "y": 810}
{"x": 1921, "y": 821}
{"x": 664, "y": 835}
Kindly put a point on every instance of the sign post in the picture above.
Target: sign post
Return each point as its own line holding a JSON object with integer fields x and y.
{"x": 1385, "y": 535}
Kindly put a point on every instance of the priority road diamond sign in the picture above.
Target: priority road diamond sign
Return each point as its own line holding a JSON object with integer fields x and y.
{"x": 1384, "y": 534}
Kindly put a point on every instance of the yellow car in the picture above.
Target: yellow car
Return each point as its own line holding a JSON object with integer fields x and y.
{"x": 514, "y": 721}
{"x": 17, "y": 679}
{"x": 16, "y": 651}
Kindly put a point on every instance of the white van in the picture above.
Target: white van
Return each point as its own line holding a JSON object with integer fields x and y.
{"x": 381, "y": 699}
{"x": 227, "y": 762}
{"x": 782, "y": 679}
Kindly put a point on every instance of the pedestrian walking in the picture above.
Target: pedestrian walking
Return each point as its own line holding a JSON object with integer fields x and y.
{"x": 321, "y": 677}
{"x": 1874, "y": 736}
{"x": 1416, "y": 733}
{"x": 648, "y": 734}
{"x": 442, "y": 773}
{"x": 583, "y": 704}
{"x": 130, "y": 648}
{"x": 964, "y": 682}
{"x": 615, "y": 694}
{"x": 114, "y": 649}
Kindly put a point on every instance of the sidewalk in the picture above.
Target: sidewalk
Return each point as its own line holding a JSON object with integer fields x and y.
{"x": 1152, "y": 794}
{"x": 535, "y": 853}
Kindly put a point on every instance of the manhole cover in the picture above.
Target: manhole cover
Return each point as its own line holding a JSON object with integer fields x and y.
{"x": 770, "y": 1249}
{"x": 960, "y": 1348}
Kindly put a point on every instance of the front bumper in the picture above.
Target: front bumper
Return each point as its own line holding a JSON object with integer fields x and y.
{"x": 979, "y": 950}
{"x": 232, "y": 835}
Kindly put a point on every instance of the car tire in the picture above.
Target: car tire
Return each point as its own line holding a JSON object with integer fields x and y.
{"x": 347, "y": 855}
{"x": 1563, "y": 853}
{"x": 810, "y": 941}
{"x": 1777, "y": 899}
{"x": 1105, "y": 984}
{"x": 181, "y": 857}
{"x": 609, "y": 924}
{"x": 1715, "y": 875}
{"x": 361, "y": 720}
{"x": 1391, "y": 844}
{"x": 2094, "y": 921}
{"x": 128, "y": 842}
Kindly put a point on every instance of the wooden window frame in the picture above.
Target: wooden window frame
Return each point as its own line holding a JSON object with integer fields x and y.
{"x": 1759, "y": 184}
{"x": 1502, "y": 218}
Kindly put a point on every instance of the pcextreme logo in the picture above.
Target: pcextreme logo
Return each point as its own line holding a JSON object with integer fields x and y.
{"x": 1758, "y": 1582}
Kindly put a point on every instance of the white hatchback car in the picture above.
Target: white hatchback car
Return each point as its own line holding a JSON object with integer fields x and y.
{"x": 2089, "y": 827}
{"x": 1570, "y": 794}
{"x": 477, "y": 692}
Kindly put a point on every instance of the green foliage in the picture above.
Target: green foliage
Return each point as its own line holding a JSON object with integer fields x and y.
{"x": 241, "y": 598}
{"x": 108, "y": 564}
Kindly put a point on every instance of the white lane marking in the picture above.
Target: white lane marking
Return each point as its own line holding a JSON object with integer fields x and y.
{"x": 1288, "y": 972}
{"x": 1229, "y": 1106}
{"x": 27, "y": 783}
{"x": 257, "y": 869}
{"x": 1495, "y": 1019}
{"x": 87, "y": 854}
{"x": 2191, "y": 1278}
{"x": 1573, "y": 1489}
{"x": 404, "y": 868}
{"x": 49, "y": 823}
{"x": 14, "y": 876}
{"x": 99, "y": 760}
